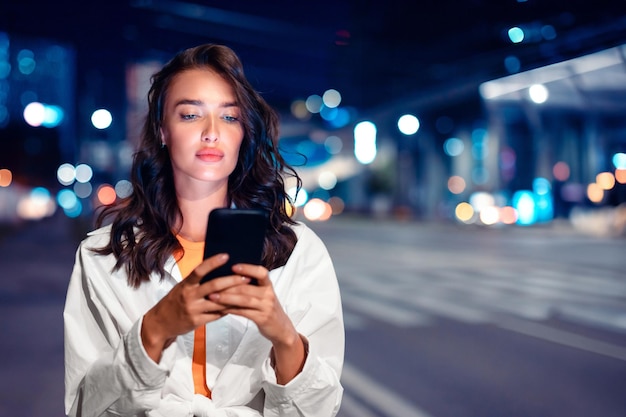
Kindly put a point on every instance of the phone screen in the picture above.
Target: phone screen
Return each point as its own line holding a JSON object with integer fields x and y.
{"x": 238, "y": 232}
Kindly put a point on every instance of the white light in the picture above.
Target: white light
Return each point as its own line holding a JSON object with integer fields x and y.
{"x": 331, "y": 98}
{"x": 35, "y": 114}
{"x": 538, "y": 93}
{"x": 123, "y": 188}
{"x": 327, "y": 180}
{"x": 314, "y": 103}
{"x": 101, "y": 119}
{"x": 489, "y": 215}
{"x": 365, "y": 142}
{"x": 84, "y": 173}
{"x": 317, "y": 210}
{"x": 408, "y": 124}
{"x": 66, "y": 174}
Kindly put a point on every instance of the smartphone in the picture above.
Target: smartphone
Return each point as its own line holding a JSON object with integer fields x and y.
{"x": 238, "y": 232}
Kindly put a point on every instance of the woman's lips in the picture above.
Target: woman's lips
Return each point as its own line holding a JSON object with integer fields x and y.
{"x": 210, "y": 155}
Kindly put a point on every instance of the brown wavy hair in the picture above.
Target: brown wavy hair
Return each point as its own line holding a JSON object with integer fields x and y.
{"x": 142, "y": 227}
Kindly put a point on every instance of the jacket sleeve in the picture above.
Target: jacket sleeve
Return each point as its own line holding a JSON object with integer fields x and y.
{"x": 309, "y": 292}
{"x": 107, "y": 371}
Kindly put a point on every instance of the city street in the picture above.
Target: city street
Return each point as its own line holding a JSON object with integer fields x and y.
{"x": 441, "y": 320}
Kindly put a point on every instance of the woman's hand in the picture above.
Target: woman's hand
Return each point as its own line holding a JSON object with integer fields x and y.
{"x": 186, "y": 307}
{"x": 260, "y": 304}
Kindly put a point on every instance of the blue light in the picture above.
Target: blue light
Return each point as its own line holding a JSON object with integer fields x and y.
{"x": 619, "y": 160}
{"x": 67, "y": 199}
{"x": 516, "y": 35}
{"x": 53, "y": 116}
{"x": 75, "y": 210}
{"x": 512, "y": 64}
{"x": 453, "y": 147}
{"x": 541, "y": 186}
{"x": 524, "y": 203}
{"x": 341, "y": 119}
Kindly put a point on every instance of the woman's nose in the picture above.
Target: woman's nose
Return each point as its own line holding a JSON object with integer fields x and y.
{"x": 210, "y": 133}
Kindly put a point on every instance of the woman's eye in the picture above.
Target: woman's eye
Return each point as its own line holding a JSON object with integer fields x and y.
{"x": 230, "y": 118}
{"x": 188, "y": 116}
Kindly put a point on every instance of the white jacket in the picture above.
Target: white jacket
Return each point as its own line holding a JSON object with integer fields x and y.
{"x": 108, "y": 373}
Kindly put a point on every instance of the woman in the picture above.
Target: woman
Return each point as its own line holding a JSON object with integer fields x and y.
{"x": 143, "y": 336}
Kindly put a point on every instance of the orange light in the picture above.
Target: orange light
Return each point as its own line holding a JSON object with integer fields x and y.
{"x": 508, "y": 215}
{"x": 6, "y": 177}
{"x": 106, "y": 194}
{"x": 464, "y": 212}
{"x": 595, "y": 193}
{"x": 620, "y": 176}
{"x": 605, "y": 180}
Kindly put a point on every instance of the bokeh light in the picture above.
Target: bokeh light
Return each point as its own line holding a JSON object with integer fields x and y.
{"x": 36, "y": 205}
{"x": 84, "y": 173}
{"x": 595, "y": 193}
{"x": 605, "y": 180}
{"x": 333, "y": 145}
{"x": 490, "y": 215}
{"x": 619, "y": 160}
{"x": 299, "y": 110}
{"x": 464, "y": 212}
{"x": 337, "y": 205}
{"x": 66, "y": 174}
{"x": 365, "y": 142}
{"x": 314, "y": 103}
{"x": 106, "y": 194}
{"x": 561, "y": 171}
{"x": 456, "y": 184}
{"x": 123, "y": 188}
{"x": 453, "y": 146}
{"x": 525, "y": 206}
{"x": 82, "y": 189}
{"x": 408, "y": 124}
{"x": 327, "y": 180}
{"x": 34, "y": 114}
{"x": 331, "y": 98}
{"x": 508, "y": 215}
{"x": 317, "y": 210}
{"x": 516, "y": 34}
{"x": 101, "y": 119}
{"x": 538, "y": 93}
{"x": 6, "y": 177}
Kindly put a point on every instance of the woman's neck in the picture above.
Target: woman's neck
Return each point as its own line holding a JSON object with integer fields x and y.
{"x": 195, "y": 214}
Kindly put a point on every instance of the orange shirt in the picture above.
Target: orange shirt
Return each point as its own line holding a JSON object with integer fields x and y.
{"x": 192, "y": 257}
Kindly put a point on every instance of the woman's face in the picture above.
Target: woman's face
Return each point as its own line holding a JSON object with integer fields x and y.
{"x": 201, "y": 128}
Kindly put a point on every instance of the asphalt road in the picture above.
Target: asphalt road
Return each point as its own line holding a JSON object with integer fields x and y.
{"x": 448, "y": 321}
{"x": 441, "y": 320}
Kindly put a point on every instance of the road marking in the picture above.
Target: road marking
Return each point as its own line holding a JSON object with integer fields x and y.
{"x": 562, "y": 337}
{"x": 381, "y": 310}
{"x": 377, "y": 395}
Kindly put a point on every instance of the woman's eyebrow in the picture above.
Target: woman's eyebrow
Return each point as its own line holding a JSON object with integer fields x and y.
{"x": 193, "y": 102}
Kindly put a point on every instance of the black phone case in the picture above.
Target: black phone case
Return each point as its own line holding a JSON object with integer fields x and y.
{"x": 238, "y": 232}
